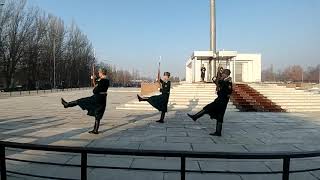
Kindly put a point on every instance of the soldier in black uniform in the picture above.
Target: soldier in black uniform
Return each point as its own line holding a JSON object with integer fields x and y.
{"x": 160, "y": 102}
{"x": 95, "y": 104}
{"x": 203, "y": 72}
{"x": 218, "y": 107}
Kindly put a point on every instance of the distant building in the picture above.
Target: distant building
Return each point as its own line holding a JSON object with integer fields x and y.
{"x": 244, "y": 67}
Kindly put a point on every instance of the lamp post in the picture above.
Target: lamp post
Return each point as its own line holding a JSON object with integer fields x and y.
{"x": 54, "y": 61}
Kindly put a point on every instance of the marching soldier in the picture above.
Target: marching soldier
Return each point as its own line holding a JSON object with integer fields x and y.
{"x": 95, "y": 104}
{"x": 218, "y": 107}
{"x": 160, "y": 102}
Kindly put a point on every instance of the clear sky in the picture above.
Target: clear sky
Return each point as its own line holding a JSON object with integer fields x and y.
{"x": 134, "y": 33}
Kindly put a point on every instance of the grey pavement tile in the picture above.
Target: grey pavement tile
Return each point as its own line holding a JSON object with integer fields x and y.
{"x": 271, "y": 148}
{"x": 115, "y": 144}
{"x": 142, "y": 139}
{"x": 295, "y": 164}
{"x": 164, "y": 164}
{"x": 104, "y": 161}
{"x": 166, "y": 146}
{"x": 51, "y": 158}
{"x": 218, "y": 148}
{"x": 192, "y": 176}
{"x": 211, "y": 165}
{"x": 302, "y": 176}
{"x": 261, "y": 177}
{"x": 113, "y": 174}
{"x": 194, "y": 140}
{"x": 50, "y": 170}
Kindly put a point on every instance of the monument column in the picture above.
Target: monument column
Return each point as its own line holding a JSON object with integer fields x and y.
{"x": 194, "y": 69}
{"x": 212, "y": 37}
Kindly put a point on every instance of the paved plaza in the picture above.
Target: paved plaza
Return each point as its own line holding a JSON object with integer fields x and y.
{"x": 41, "y": 119}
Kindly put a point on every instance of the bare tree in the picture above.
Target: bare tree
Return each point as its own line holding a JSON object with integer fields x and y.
{"x": 16, "y": 33}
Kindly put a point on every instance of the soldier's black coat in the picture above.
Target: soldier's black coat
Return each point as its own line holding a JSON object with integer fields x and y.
{"x": 160, "y": 102}
{"x": 218, "y": 107}
{"x": 96, "y": 104}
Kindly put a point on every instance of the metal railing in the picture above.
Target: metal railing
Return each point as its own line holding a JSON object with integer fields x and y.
{"x": 84, "y": 151}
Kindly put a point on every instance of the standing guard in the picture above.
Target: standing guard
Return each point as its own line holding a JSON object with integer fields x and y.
{"x": 203, "y": 72}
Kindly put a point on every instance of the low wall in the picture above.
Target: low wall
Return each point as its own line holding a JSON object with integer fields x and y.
{"x": 148, "y": 88}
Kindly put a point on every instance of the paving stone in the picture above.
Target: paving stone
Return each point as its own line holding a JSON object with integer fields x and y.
{"x": 164, "y": 164}
{"x": 166, "y": 146}
{"x": 192, "y": 176}
{"x": 218, "y": 148}
{"x": 113, "y": 174}
{"x": 200, "y": 140}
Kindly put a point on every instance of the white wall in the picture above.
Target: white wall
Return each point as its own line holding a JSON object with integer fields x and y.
{"x": 189, "y": 71}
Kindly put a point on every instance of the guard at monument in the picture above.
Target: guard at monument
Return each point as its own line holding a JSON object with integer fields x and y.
{"x": 95, "y": 104}
{"x": 203, "y": 73}
{"x": 160, "y": 102}
{"x": 218, "y": 107}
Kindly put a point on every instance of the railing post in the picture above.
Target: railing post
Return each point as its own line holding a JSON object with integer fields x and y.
{"x": 183, "y": 168}
{"x": 286, "y": 168}
{"x": 3, "y": 162}
{"x": 83, "y": 166}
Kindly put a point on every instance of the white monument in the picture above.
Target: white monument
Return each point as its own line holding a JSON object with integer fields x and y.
{"x": 244, "y": 67}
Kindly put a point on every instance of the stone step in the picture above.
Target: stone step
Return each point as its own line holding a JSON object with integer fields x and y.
{"x": 292, "y": 98}
{"x": 279, "y": 90}
{"x": 300, "y": 104}
{"x": 193, "y": 90}
{"x": 174, "y": 105}
{"x": 180, "y": 102}
{"x": 192, "y": 95}
{"x": 153, "y": 109}
{"x": 297, "y": 101}
{"x": 303, "y": 110}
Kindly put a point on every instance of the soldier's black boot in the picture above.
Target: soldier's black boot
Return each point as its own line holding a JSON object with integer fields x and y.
{"x": 218, "y": 129}
{"x": 68, "y": 104}
{"x": 162, "y": 117}
{"x": 141, "y": 98}
{"x": 95, "y": 127}
{"x": 197, "y": 116}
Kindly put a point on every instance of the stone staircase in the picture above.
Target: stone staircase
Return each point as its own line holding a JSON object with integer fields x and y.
{"x": 290, "y": 99}
{"x": 247, "y": 99}
{"x": 185, "y": 96}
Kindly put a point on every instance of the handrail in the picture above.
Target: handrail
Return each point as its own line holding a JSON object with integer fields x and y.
{"x": 163, "y": 153}
{"x": 286, "y": 156}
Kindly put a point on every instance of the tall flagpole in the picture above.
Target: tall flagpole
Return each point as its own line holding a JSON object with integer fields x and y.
{"x": 159, "y": 69}
{"x": 213, "y": 47}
